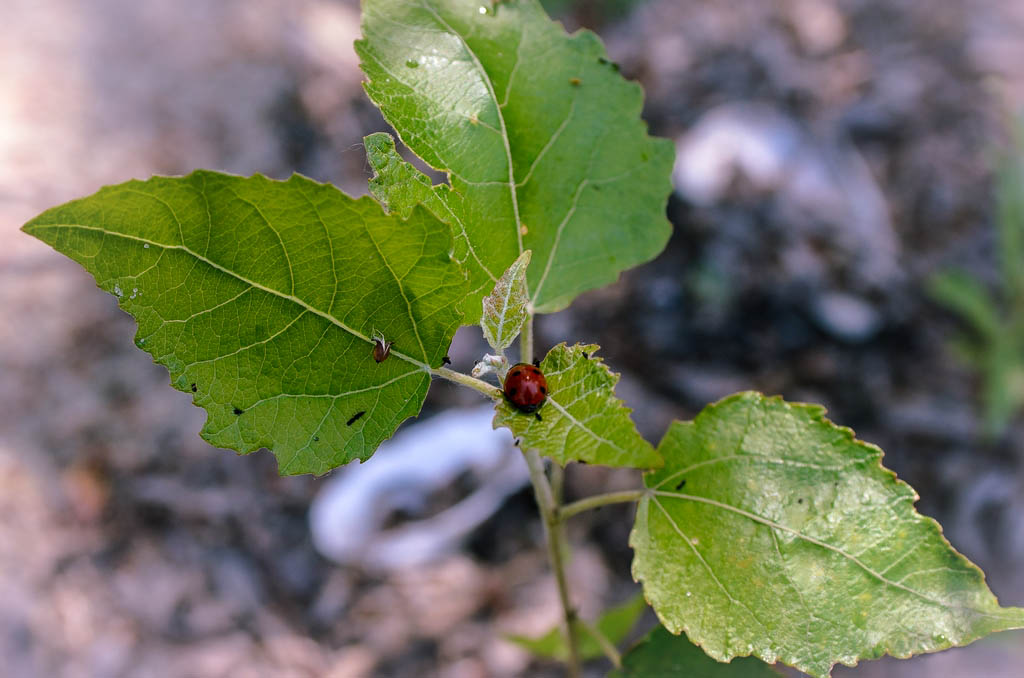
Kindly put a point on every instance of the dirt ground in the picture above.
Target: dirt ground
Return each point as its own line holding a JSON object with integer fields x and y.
{"x": 130, "y": 548}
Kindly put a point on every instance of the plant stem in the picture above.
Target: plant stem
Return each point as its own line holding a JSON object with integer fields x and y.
{"x": 488, "y": 390}
{"x": 599, "y": 500}
{"x": 526, "y": 340}
{"x": 548, "y": 501}
{"x": 553, "y": 532}
{"x": 557, "y": 479}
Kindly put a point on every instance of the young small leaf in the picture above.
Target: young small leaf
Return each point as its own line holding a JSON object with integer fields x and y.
{"x": 615, "y": 624}
{"x": 582, "y": 419}
{"x": 504, "y": 309}
{"x": 663, "y": 655}
{"x": 791, "y": 542}
{"x": 540, "y": 135}
{"x": 261, "y": 296}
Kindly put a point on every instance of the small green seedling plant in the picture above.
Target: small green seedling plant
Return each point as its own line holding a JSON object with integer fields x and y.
{"x": 995, "y": 345}
{"x": 312, "y": 324}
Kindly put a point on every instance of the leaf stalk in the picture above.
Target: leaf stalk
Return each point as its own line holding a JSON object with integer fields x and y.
{"x": 526, "y": 339}
{"x": 599, "y": 500}
{"x": 488, "y": 390}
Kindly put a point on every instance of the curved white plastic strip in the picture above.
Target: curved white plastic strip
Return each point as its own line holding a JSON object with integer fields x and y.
{"x": 346, "y": 515}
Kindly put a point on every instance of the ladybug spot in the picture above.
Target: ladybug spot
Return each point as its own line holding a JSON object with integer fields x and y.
{"x": 512, "y": 391}
{"x": 355, "y": 417}
{"x": 238, "y": 410}
{"x": 543, "y": 390}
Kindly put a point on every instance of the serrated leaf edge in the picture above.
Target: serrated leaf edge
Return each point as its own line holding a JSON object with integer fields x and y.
{"x": 558, "y": 303}
{"x": 422, "y": 368}
{"x": 29, "y": 227}
{"x": 590, "y": 350}
{"x": 817, "y": 413}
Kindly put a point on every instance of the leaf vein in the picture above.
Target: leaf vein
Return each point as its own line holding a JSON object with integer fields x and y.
{"x": 497, "y": 109}
{"x": 800, "y": 535}
{"x": 327, "y": 316}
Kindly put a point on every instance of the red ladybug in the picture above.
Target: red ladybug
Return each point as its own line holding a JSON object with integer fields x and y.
{"x": 525, "y": 387}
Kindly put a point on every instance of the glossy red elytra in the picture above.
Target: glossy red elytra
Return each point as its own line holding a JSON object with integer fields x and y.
{"x": 525, "y": 387}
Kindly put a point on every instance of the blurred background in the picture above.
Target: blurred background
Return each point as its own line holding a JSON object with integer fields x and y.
{"x": 834, "y": 157}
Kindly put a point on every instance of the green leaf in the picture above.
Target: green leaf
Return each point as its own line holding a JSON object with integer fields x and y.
{"x": 965, "y": 295}
{"x": 1000, "y": 360}
{"x": 771, "y": 531}
{"x": 504, "y": 309}
{"x": 260, "y": 297}
{"x": 551, "y": 645}
{"x": 615, "y": 624}
{"x": 1009, "y": 182}
{"x": 663, "y": 655}
{"x": 582, "y": 419}
{"x": 540, "y": 135}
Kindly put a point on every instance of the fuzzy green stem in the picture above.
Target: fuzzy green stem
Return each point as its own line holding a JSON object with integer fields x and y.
{"x": 526, "y": 340}
{"x": 557, "y": 478}
{"x": 488, "y": 390}
{"x": 599, "y": 500}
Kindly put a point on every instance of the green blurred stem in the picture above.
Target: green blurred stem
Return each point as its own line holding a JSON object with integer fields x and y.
{"x": 557, "y": 479}
{"x": 599, "y": 500}
{"x": 556, "y": 553}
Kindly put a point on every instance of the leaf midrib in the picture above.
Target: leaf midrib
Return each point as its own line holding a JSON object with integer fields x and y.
{"x": 503, "y": 133}
{"x": 269, "y": 290}
{"x": 654, "y": 494}
{"x": 511, "y": 283}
